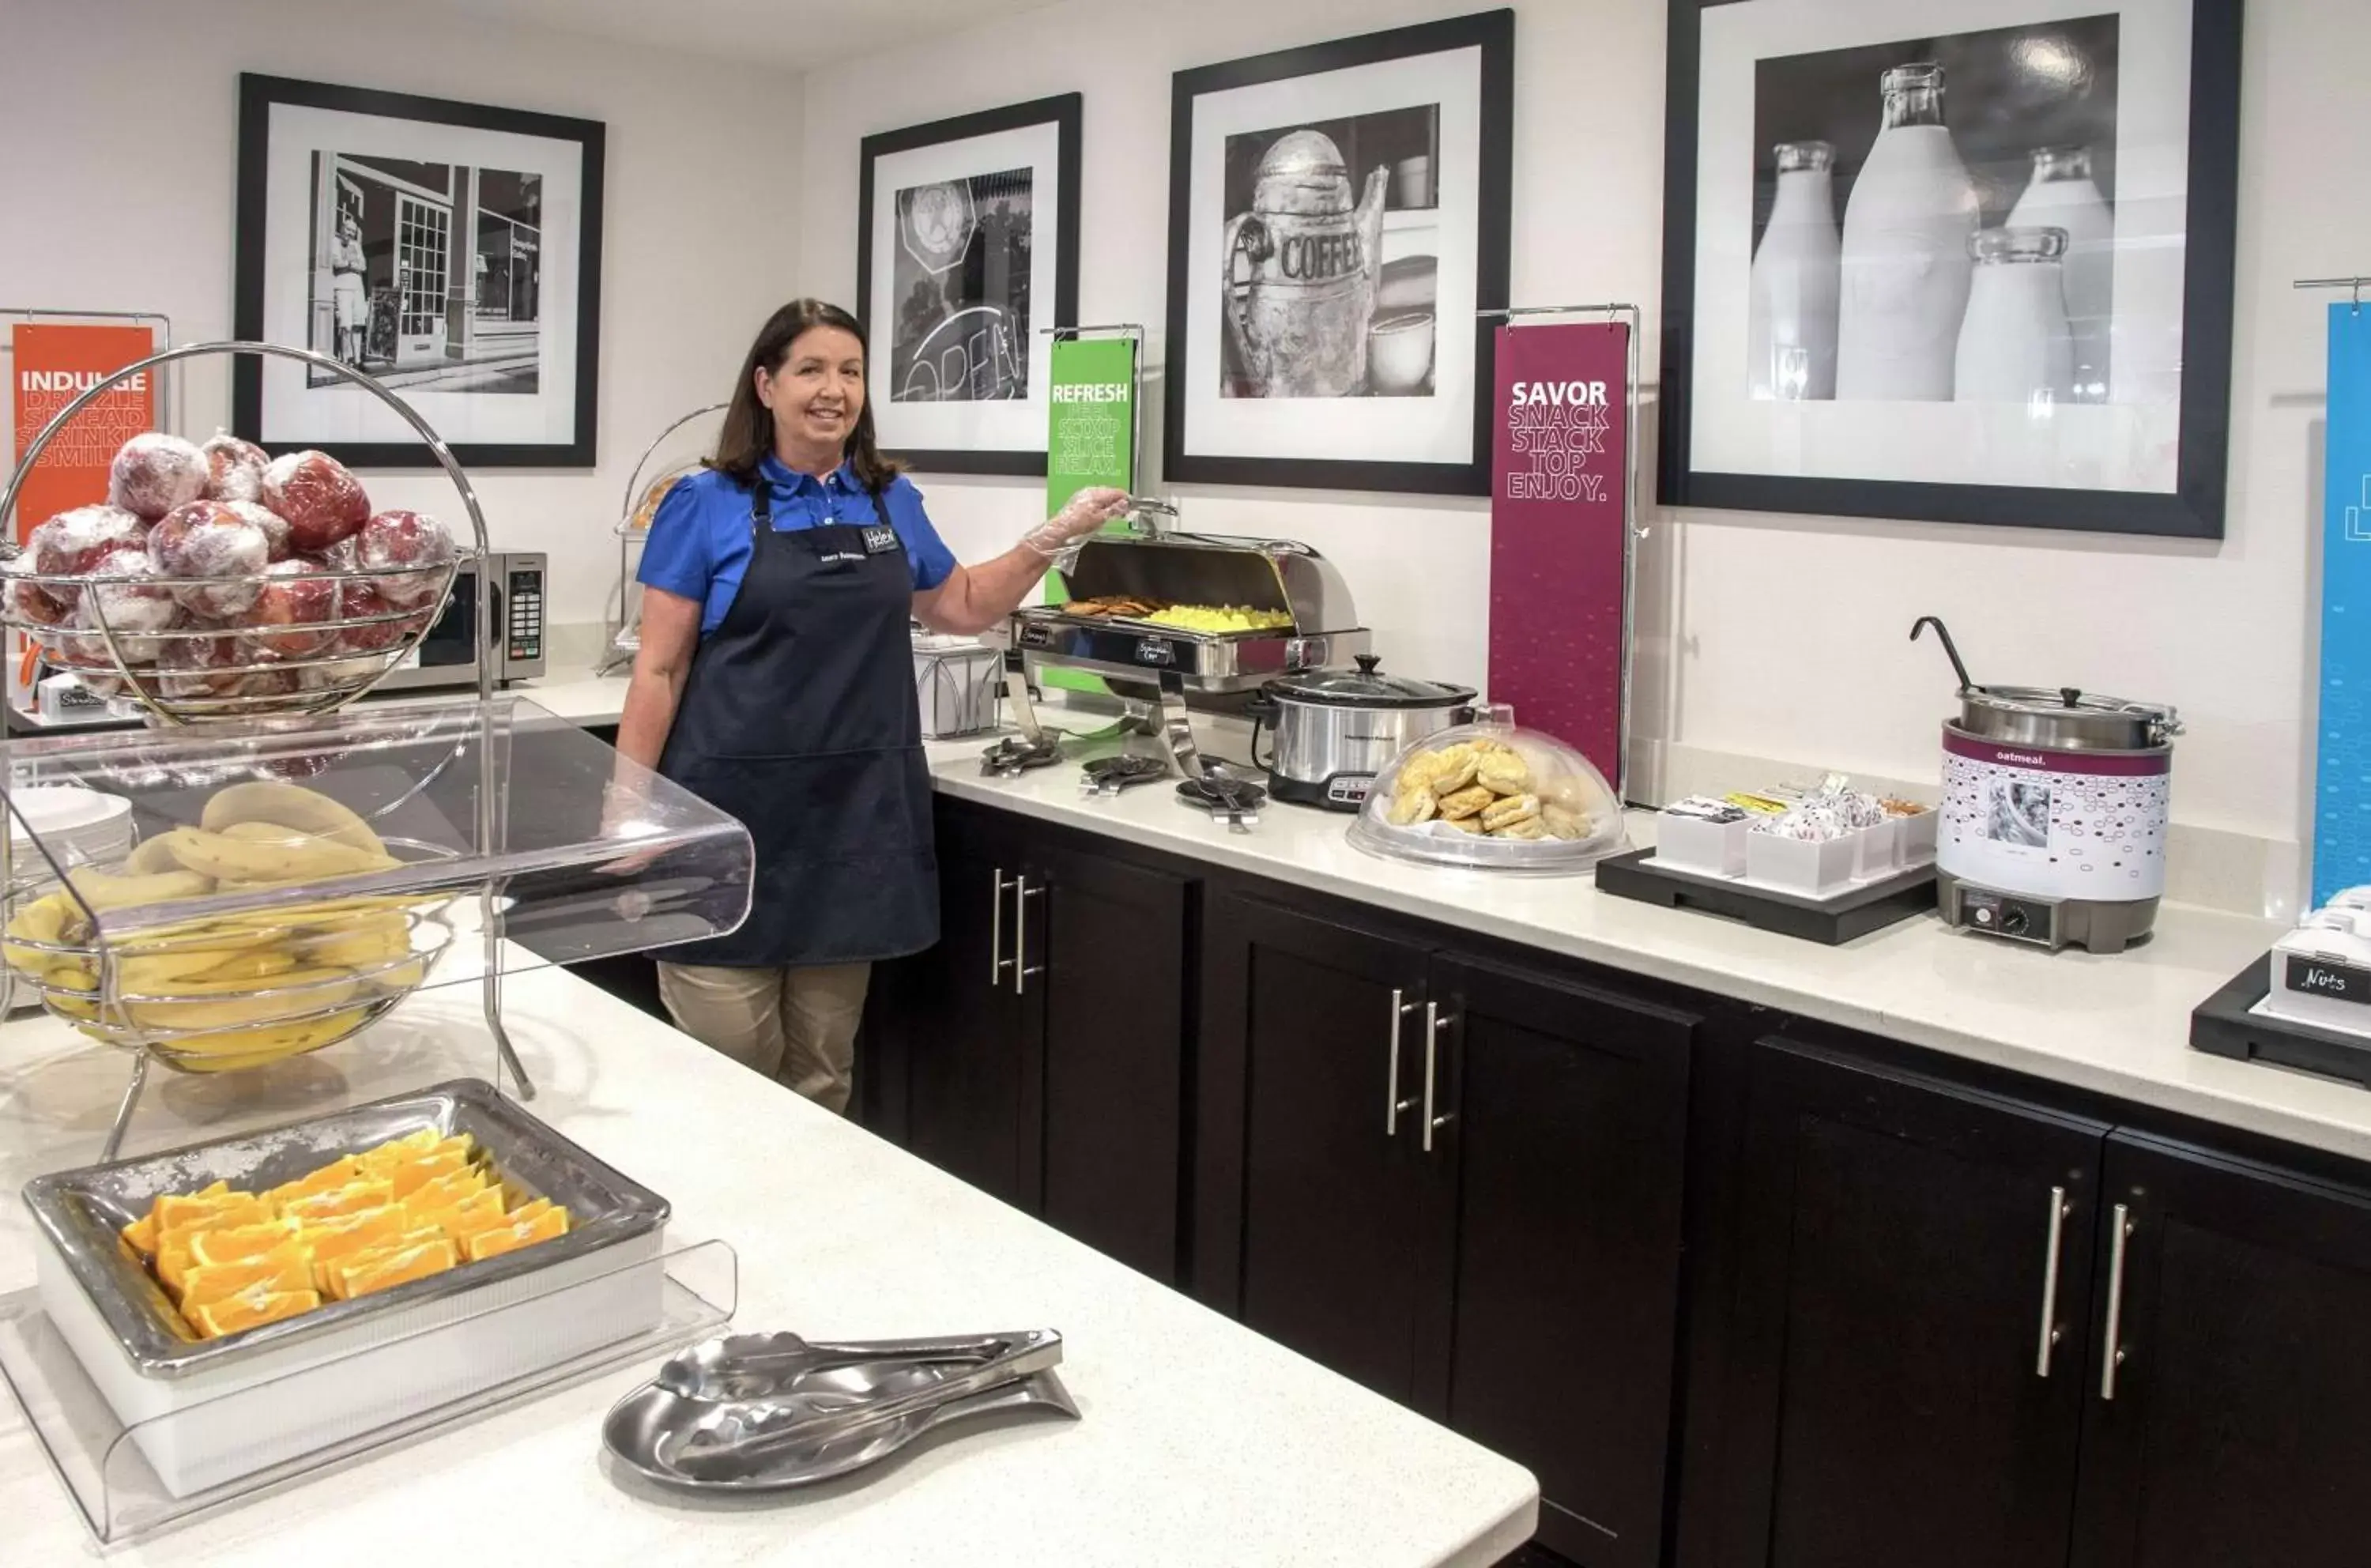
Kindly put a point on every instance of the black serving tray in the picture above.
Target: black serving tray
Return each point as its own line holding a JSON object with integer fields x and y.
{"x": 2222, "y": 1026}
{"x": 1830, "y": 921}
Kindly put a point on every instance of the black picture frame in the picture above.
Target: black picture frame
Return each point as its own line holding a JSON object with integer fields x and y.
{"x": 2194, "y": 509}
{"x": 257, "y": 96}
{"x": 1493, "y": 32}
{"x": 1065, "y": 112}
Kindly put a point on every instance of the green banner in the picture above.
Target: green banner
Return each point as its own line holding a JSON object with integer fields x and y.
{"x": 1090, "y": 439}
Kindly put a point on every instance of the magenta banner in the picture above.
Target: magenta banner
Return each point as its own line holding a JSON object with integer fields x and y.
{"x": 1557, "y": 503}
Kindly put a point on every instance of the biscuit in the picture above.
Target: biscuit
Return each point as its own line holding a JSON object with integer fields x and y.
{"x": 1563, "y": 822}
{"x": 1471, "y": 827}
{"x": 1410, "y": 807}
{"x": 1463, "y": 802}
{"x": 1529, "y": 827}
{"x": 1458, "y": 775}
{"x": 1503, "y": 773}
{"x": 1419, "y": 771}
{"x": 1506, "y": 813}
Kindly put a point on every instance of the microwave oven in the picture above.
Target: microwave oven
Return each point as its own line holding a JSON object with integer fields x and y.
{"x": 447, "y": 656}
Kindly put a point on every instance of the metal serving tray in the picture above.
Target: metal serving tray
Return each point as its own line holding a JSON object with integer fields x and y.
{"x": 83, "y": 1211}
{"x": 1204, "y": 660}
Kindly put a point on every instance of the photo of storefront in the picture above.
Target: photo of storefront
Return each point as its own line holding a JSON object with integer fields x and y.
{"x": 428, "y": 276}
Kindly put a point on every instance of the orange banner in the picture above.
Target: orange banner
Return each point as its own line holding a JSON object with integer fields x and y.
{"x": 52, "y": 366}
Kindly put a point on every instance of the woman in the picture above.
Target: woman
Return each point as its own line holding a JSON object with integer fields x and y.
{"x": 775, "y": 681}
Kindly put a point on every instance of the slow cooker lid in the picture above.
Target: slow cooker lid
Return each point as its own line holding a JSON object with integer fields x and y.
{"x": 1368, "y": 686}
{"x": 2067, "y": 716}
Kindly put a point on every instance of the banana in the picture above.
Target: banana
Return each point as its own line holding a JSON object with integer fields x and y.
{"x": 168, "y": 974}
{"x": 152, "y": 856}
{"x": 368, "y": 943}
{"x": 103, "y": 891}
{"x": 293, "y": 806}
{"x": 233, "y": 1004}
{"x": 231, "y": 1051}
{"x": 45, "y": 919}
{"x": 258, "y": 852}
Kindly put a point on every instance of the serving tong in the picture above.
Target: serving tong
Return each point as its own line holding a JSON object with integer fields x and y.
{"x": 762, "y": 1412}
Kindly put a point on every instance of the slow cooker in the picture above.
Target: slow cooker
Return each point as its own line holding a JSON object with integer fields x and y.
{"x": 1336, "y": 728}
{"x": 2055, "y": 812}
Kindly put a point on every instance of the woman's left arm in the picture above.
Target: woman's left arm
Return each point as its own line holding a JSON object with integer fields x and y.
{"x": 973, "y": 598}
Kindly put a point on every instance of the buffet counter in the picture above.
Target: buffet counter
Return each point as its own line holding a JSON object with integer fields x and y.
{"x": 1200, "y": 1442}
{"x": 2115, "y": 1025}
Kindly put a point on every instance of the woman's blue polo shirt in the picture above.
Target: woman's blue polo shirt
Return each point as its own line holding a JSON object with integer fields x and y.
{"x": 699, "y": 544}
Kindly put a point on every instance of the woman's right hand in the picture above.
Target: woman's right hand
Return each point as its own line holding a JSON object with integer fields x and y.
{"x": 1082, "y": 514}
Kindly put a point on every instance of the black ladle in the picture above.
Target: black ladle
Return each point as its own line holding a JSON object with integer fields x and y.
{"x": 1950, "y": 649}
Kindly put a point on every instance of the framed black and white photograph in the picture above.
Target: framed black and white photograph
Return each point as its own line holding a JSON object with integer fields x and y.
{"x": 1959, "y": 260}
{"x": 1338, "y": 216}
{"x": 450, "y": 250}
{"x": 968, "y": 246}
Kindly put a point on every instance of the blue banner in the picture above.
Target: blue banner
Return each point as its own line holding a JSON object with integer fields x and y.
{"x": 2342, "y": 836}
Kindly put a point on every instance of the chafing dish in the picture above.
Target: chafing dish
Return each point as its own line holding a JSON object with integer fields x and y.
{"x": 1168, "y": 568}
{"x": 1158, "y": 670}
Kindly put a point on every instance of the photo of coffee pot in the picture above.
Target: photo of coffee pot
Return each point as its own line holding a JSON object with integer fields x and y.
{"x": 1301, "y": 269}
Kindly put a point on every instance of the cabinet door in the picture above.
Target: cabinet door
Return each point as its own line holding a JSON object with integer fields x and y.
{"x": 1891, "y": 1403}
{"x": 959, "y": 1025}
{"x": 2239, "y": 1427}
{"x": 1313, "y": 1176}
{"x": 1109, "y": 1008}
{"x": 1566, "y": 1141}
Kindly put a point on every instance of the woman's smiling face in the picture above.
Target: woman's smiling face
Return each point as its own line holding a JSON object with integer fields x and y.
{"x": 817, "y": 393}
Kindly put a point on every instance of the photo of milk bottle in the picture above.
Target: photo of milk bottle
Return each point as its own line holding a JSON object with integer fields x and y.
{"x": 2063, "y": 195}
{"x": 1907, "y": 268}
{"x": 2015, "y": 346}
{"x": 1791, "y": 321}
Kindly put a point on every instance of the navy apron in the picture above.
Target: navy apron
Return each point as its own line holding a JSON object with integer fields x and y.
{"x": 799, "y": 717}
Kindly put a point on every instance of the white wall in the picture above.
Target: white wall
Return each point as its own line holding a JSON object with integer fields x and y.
{"x": 120, "y": 121}
{"x": 1777, "y": 636}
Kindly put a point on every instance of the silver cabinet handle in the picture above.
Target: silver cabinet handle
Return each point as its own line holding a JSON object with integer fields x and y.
{"x": 2113, "y": 1343}
{"x": 2051, "y": 1333}
{"x": 996, "y": 962}
{"x": 1393, "y": 1106}
{"x": 1023, "y": 893}
{"x": 1433, "y": 1024}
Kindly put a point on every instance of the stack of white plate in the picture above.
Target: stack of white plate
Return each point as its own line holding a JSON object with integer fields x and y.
{"x": 79, "y": 826}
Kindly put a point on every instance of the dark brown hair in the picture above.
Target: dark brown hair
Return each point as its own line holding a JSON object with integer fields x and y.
{"x": 749, "y": 433}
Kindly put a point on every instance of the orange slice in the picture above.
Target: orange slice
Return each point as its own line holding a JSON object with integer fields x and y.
{"x": 451, "y": 1187}
{"x": 483, "y": 1204}
{"x": 396, "y": 1150}
{"x": 251, "y": 1308}
{"x": 532, "y": 1208}
{"x": 328, "y": 1276}
{"x": 284, "y": 1268}
{"x": 493, "y": 1242}
{"x": 141, "y": 1234}
{"x": 232, "y": 1242}
{"x": 240, "y": 1211}
{"x": 179, "y": 1208}
{"x": 385, "y": 1271}
{"x": 335, "y": 1174}
{"x": 352, "y": 1198}
{"x": 420, "y": 1170}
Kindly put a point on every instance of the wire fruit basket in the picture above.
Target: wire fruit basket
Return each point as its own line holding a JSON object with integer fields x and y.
{"x": 646, "y": 486}
{"x": 247, "y": 586}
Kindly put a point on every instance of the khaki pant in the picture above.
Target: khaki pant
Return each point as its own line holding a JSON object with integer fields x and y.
{"x": 795, "y": 1024}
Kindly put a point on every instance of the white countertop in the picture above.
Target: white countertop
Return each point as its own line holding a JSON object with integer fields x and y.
{"x": 2117, "y": 1024}
{"x": 1201, "y": 1443}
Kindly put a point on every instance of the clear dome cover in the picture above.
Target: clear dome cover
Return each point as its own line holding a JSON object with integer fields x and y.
{"x": 1492, "y": 796}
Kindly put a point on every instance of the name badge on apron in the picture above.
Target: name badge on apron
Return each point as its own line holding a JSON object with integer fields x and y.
{"x": 880, "y": 541}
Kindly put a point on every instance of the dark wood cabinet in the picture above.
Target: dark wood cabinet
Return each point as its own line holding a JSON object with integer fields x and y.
{"x": 2236, "y": 1429}
{"x": 1039, "y": 1051}
{"x": 1566, "y": 1133}
{"x": 1461, "y": 1184}
{"x": 1312, "y": 1143}
{"x": 1900, "y": 1242}
{"x": 1109, "y": 1014}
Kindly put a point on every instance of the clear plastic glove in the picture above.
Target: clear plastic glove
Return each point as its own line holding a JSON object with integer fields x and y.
{"x": 1082, "y": 515}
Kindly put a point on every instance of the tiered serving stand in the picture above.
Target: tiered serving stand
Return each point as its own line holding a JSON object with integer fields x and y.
{"x": 663, "y": 459}
{"x": 508, "y": 824}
